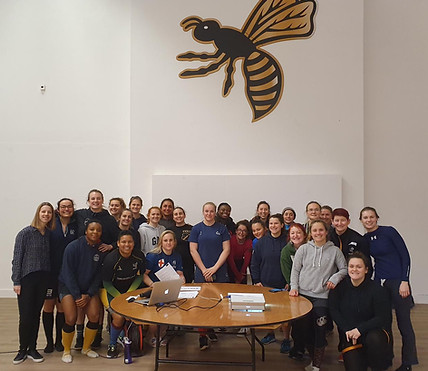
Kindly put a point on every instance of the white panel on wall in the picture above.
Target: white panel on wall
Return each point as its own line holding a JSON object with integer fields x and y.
{"x": 243, "y": 192}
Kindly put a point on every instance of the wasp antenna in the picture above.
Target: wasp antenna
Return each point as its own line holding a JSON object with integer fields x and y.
{"x": 190, "y": 22}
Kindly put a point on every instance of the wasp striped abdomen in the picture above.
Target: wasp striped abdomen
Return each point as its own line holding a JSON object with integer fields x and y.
{"x": 263, "y": 83}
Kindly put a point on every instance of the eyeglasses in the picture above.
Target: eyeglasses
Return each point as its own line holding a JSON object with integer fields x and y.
{"x": 66, "y": 207}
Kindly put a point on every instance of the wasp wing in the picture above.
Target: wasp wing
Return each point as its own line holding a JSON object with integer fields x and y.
{"x": 276, "y": 20}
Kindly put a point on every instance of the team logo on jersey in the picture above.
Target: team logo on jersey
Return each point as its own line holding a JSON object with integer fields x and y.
{"x": 185, "y": 235}
{"x": 135, "y": 266}
{"x": 96, "y": 258}
{"x": 218, "y": 233}
{"x": 161, "y": 263}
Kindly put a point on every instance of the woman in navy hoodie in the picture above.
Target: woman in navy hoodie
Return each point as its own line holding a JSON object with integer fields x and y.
{"x": 265, "y": 263}
{"x": 110, "y": 231}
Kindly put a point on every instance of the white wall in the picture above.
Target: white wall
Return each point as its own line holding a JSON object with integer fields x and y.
{"x": 185, "y": 127}
{"x": 115, "y": 113}
{"x": 75, "y": 136}
{"x": 245, "y": 191}
{"x": 396, "y": 130}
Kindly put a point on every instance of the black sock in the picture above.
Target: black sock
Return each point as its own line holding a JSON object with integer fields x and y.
{"x": 79, "y": 330}
{"x": 47, "y": 319}
{"x": 59, "y": 323}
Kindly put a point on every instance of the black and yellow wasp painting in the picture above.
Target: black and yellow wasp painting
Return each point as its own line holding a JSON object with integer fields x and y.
{"x": 270, "y": 21}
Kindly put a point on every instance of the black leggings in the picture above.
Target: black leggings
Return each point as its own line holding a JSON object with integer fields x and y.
{"x": 402, "y": 311}
{"x": 310, "y": 330}
{"x": 373, "y": 349}
{"x": 30, "y": 303}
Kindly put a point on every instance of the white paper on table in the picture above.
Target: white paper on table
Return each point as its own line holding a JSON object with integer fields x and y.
{"x": 190, "y": 288}
{"x": 167, "y": 273}
{"x": 188, "y": 294}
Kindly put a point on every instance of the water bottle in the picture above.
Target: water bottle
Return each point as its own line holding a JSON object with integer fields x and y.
{"x": 127, "y": 357}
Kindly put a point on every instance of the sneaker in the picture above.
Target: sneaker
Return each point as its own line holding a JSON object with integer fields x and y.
{"x": 96, "y": 344}
{"x": 203, "y": 342}
{"x": 243, "y": 331}
{"x": 120, "y": 341}
{"x": 20, "y": 357}
{"x": 285, "y": 346}
{"x": 404, "y": 368}
{"x": 59, "y": 347}
{"x": 35, "y": 356}
{"x": 67, "y": 358}
{"x": 49, "y": 348}
{"x": 268, "y": 339}
{"x": 90, "y": 353}
{"x": 79, "y": 342}
{"x": 112, "y": 351}
{"x": 212, "y": 336}
{"x": 164, "y": 342}
{"x": 295, "y": 354}
{"x": 153, "y": 342}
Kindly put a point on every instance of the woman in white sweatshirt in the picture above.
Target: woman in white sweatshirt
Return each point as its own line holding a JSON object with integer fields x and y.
{"x": 151, "y": 231}
{"x": 317, "y": 268}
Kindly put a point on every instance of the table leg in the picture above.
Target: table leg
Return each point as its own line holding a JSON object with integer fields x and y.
{"x": 253, "y": 348}
{"x": 157, "y": 348}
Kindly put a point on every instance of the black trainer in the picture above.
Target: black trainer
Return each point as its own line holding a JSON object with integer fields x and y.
{"x": 203, "y": 343}
{"x": 295, "y": 354}
{"x": 20, "y": 357}
{"x": 404, "y": 368}
{"x": 49, "y": 348}
{"x": 112, "y": 351}
{"x": 79, "y": 342}
{"x": 35, "y": 356}
{"x": 58, "y": 346}
{"x": 212, "y": 336}
{"x": 96, "y": 344}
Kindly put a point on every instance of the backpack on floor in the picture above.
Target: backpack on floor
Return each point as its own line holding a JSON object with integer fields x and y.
{"x": 134, "y": 333}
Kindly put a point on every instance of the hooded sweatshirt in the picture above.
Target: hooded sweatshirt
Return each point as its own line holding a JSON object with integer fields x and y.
{"x": 314, "y": 266}
{"x": 149, "y": 236}
{"x": 110, "y": 228}
{"x": 265, "y": 263}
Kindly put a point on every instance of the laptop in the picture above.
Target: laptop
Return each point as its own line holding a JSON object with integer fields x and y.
{"x": 163, "y": 292}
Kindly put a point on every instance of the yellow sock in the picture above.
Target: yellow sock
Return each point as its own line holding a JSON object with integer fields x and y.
{"x": 88, "y": 338}
{"x": 67, "y": 339}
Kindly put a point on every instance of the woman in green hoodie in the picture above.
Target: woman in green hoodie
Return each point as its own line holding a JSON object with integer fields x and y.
{"x": 297, "y": 237}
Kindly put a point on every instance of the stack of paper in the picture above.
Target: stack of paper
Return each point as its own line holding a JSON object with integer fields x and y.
{"x": 189, "y": 292}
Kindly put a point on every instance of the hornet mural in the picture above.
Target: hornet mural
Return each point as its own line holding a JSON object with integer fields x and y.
{"x": 270, "y": 21}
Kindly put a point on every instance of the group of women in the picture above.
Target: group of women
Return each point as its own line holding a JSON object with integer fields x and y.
{"x": 65, "y": 257}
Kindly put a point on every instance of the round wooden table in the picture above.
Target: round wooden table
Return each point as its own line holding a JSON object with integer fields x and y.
{"x": 280, "y": 307}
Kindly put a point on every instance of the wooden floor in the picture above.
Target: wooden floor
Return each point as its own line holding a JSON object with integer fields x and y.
{"x": 229, "y": 347}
